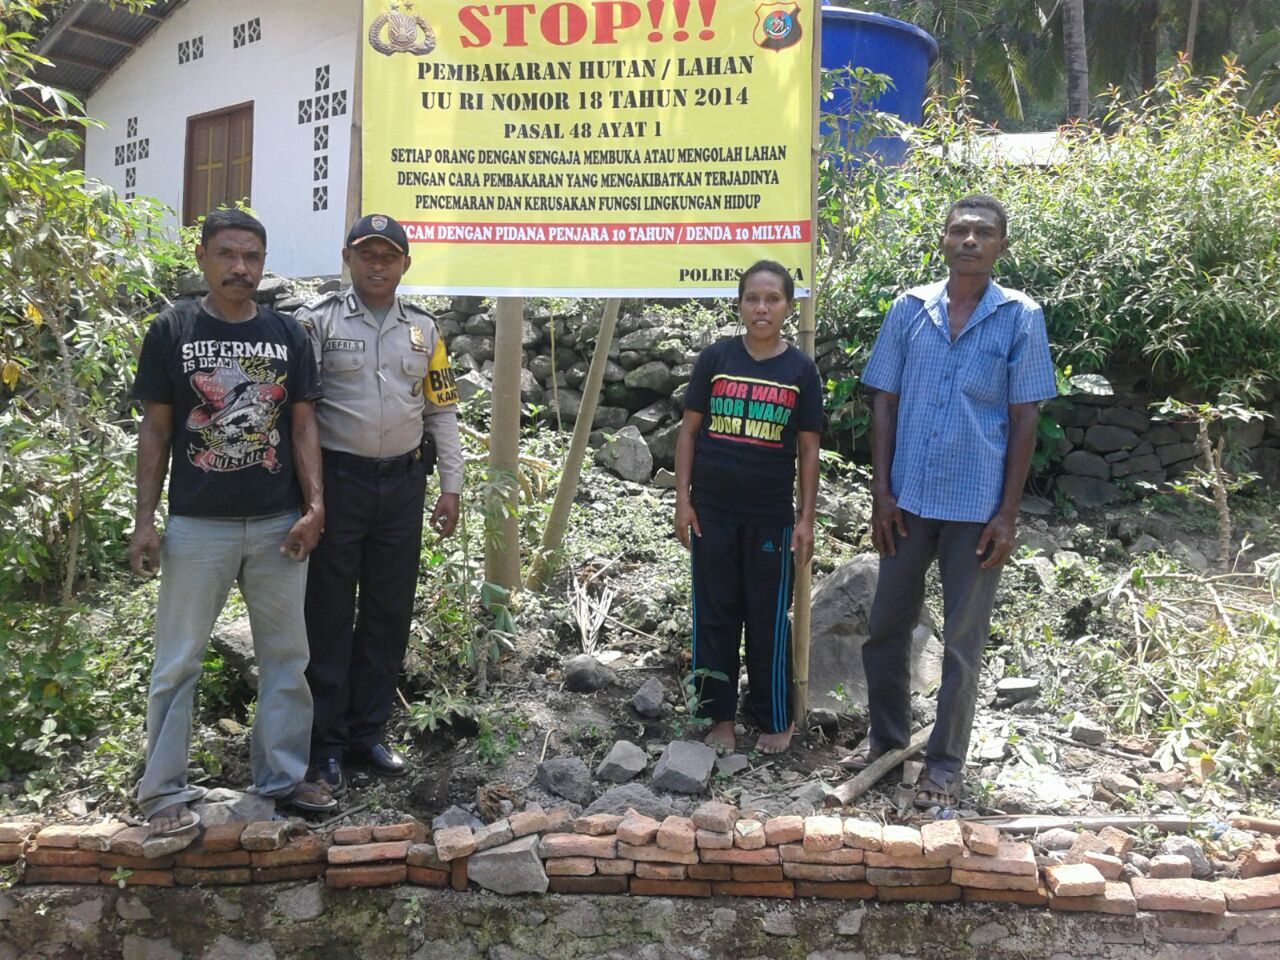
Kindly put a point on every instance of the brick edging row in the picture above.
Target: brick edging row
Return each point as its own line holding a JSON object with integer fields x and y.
{"x": 715, "y": 852}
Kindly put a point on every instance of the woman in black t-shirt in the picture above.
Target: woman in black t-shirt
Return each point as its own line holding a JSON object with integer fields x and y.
{"x": 754, "y": 404}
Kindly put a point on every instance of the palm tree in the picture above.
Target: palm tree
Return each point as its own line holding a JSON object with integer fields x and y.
{"x": 1077, "y": 59}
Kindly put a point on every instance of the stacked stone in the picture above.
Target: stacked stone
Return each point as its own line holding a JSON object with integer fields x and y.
{"x": 717, "y": 851}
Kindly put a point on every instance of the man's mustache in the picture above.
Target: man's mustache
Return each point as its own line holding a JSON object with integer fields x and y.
{"x": 237, "y": 282}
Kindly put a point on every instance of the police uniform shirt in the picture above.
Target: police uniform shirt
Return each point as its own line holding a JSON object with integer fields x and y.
{"x": 383, "y": 381}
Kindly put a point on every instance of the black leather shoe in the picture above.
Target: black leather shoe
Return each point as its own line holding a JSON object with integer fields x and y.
{"x": 329, "y": 772}
{"x": 382, "y": 759}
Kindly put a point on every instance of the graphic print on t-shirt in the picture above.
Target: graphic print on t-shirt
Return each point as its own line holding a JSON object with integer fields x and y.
{"x": 236, "y": 420}
{"x": 748, "y": 410}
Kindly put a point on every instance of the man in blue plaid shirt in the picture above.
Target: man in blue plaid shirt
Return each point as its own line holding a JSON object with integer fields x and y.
{"x": 958, "y": 369}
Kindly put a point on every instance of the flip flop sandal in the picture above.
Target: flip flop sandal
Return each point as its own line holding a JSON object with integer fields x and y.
{"x": 943, "y": 792}
{"x": 309, "y": 797}
{"x": 860, "y": 759}
{"x": 174, "y": 812}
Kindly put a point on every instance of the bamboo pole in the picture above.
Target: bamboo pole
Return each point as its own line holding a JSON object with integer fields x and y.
{"x": 808, "y": 342}
{"x": 553, "y": 534}
{"x": 502, "y": 528}
{"x": 355, "y": 154}
{"x": 855, "y": 787}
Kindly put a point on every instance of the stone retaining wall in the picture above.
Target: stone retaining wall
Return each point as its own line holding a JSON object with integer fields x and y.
{"x": 714, "y": 853}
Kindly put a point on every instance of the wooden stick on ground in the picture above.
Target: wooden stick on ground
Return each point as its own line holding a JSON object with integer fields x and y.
{"x": 850, "y": 790}
{"x": 1256, "y": 824}
{"x": 1035, "y": 823}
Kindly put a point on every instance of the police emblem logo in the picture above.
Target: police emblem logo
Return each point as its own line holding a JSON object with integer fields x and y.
{"x": 417, "y": 340}
{"x": 399, "y": 30}
{"x": 777, "y": 26}
{"x": 378, "y": 223}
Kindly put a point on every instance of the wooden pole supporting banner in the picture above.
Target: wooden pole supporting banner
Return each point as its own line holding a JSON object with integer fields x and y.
{"x": 541, "y": 569}
{"x": 808, "y": 341}
{"x": 502, "y": 527}
{"x": 355, "y": 161}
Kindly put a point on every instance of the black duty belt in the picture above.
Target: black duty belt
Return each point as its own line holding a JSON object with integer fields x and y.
{"x": 372, "y": 467}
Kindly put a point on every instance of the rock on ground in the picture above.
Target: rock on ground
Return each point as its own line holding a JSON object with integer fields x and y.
{"x": 514, "y": 867}
{"x": 221, "y": 806}
{"x": 627, "y": 455}
{"x": 624, "y": 762}
{"x": 636, "y": 796}
{"x": 684, "y": 767}
{"x": 566, "y": 777}
{"x": 648, "y": 699}
{"x": 585, "y": 674}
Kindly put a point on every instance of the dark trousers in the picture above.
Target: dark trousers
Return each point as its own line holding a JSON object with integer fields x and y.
{"x": 968, "y": 593}
{"x": 370, "y": 548}
{"x": 742, "y": 577}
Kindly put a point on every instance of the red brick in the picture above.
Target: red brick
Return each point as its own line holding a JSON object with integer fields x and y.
{"x": 1261, "y": 861}
{"x": 677, "y": 833}
{"x": 844, "y": 857}
{"x": 823, "y": 833}
{"x": 1038, "y": 897}
{"x": 10, "y": 852}
{"x": 780, "y": 830}
{"x": 900, "y": 843}
{"x": 1119, "y": 842}
{"x": 1170, "y": 866}
{"x": 757, "y": 874}
{"x": 748, "y": 835}
{"x": 1074, "y": 880}
{"x": 570, "y": 866}
{"x": 652, "y": 853}
{"x": 98, "y": 836}
{"x": 763, "y": 857}
{"x": 1013, "y": 856}
{"x": 616, "y": 868}
{"x": 941, "y": 893}
{"x": 1261, "y": 926}
{"x": 942, "y": 839}
{"x": 710, "y": 871}
{"x": 637, "y": 830}
{"x": 60, "y": 875}
{"x": 410, "y": 830}
{"x": 458, "y": 874}
{"x": 1106, "y": 864}
{"x": 782, "y": 889}
{"x": 598, "y": 824}
{"x": 824, "y": 873}
{"x": 62, "y": 836}
{"x": 366, "y": 875}
{"x": 223, "y": 837}
{"x": 994, "y": 881}
{"x": 835, "y": 891}
{"x": 308, "y": 848}
{"x": 454, "y": 842}
{"x": 1198, "y": 896}
{"x": 1085, "y": 842}
{"x": 369, "y": 852}
{"x": 981, "y": 838}
{"x": 353, "y": 835}
{"x": 862, "y": 834}
{"x": 293, "y": 871}
{"x": 532, "y": 819}
{"x": 39, "y": 855}
{"x": 712, "y": 840}
{"x": 661, "y": 871}
{"x": 424, "y": 855}
{"x": 128, "y": 842}
{"x": 1116, "y": 898}
{"x": 1256, "y": 893}
{"x": 265, "y": 835}
{"x": 138, "y": 878}
{"x": 670, "y": 888}
{"x": 426, "y": 877}
{"x": 559, "y": 820}
{"x": 597, "y": 884}
{"x": 715, "y": 816}
{"x": 226, "y": 877}
{"x": 110, "y": 861}
{"x": 198, "y": 859}
{"x": 579, "y": 845}
{"x": 891, "y": 877}
{"x": 873, "y": 859}
{"x": 18, "y": 831}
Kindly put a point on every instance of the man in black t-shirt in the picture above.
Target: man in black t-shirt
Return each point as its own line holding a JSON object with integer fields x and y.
{"x": 228, "y": 390}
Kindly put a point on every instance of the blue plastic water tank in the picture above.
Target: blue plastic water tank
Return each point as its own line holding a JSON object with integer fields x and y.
{"x": 903, "y": 51}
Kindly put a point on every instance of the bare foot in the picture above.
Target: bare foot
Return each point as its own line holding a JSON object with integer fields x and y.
{"x": 722, "y": 737}
{"x": 776, "y": 742}
{"x": 175, "y": 818}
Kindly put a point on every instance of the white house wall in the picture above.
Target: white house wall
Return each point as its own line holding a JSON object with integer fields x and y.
{"x": 280, "y": 73}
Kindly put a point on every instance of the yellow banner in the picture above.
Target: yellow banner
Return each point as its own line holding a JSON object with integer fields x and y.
{"x": 590, "y": 147}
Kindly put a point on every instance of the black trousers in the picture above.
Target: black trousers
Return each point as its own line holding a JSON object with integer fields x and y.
{"x": 743, "y": 576}
{"x": 360, "y": 589}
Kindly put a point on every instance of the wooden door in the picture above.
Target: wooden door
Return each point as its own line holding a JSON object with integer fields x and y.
{"x": 219, "y": 167}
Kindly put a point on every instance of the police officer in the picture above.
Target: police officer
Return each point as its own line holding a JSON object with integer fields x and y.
{"x": 386, "y": 376}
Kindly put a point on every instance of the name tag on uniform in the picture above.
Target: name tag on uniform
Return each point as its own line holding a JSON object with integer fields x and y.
{"x": 354, "y": 346}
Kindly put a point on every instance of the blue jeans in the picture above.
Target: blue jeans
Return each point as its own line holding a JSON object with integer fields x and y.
{"x": 200, "y": 559}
